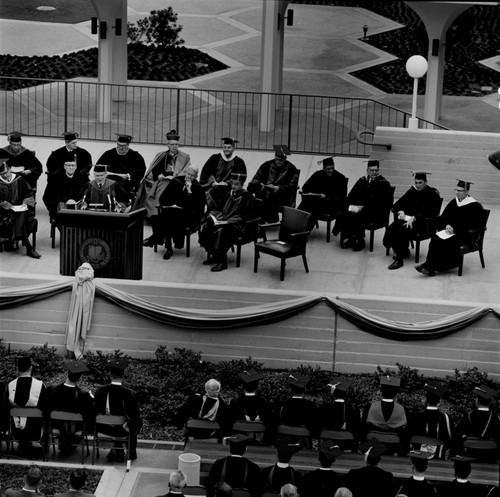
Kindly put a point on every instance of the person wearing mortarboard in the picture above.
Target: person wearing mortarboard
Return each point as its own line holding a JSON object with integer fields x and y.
{"x": 23, "y": 161}
{"x": 235, "y": 470}
{"x": 17, "y": 211}
{"x": 219, "y": 228}
{"x": 118, "y": 400}
{"x": 69, "y": 397}
{"x": 103, "y": 192}
{"x": 363, "y": 482}
{"x": 463, "y": 213}
{"x": 324, "y": 481}
{"x": 216, "y": 174}
{"x": 431, "y": 430}
{"x": 478, "y": 432}
{"x": 281, "y": 473}
{"x": 26, "y": 391}
{"x": 461, "y": 486}
{"x": 340, "y": 416}
{"x": 325, "y": 192}
{"x": 275, "y": 183}
{"x": 418, "y": 485}
{"x": 125, "y": 166}
{"x": 71, "y": 152}
{"x": 385, "y": 420}
{"x": 412, "y": 213}
{"x": 166, "y": 165}
{"x": 369, "y": 201}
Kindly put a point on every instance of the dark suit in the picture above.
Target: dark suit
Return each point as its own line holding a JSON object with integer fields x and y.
{"x": 363, "y": 481}
{"x": 237, "y": 472}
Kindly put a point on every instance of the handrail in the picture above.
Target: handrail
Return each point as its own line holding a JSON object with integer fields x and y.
{"x": 359, "y": 138}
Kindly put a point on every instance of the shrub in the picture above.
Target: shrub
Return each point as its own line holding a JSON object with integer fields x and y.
{"x": 159, "y": 29}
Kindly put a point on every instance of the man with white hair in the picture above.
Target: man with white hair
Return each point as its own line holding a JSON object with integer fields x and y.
{"x": 176, "y": 483}
{"x": 210, "y": 407}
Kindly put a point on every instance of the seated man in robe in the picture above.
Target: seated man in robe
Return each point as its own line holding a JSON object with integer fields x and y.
{"x": 324, "y": 481}
{"x": 71, "y": 152}
{"x": 463, "y": 213}
{"x": 17, "y": 211}
{"x": 461, "y": 486}
{"x": 22, "y": 161}
{"x": 411, "y": 211}
{"x": 183, "y": 203}
{"x": 368, "y": 201}
{"x": 125, "y": 166}
{"x": 103, "y": 193}
{"x": 275, "y": 183}
{"x": 220, "y": 228}
{"x": 418, "y": 485}
{"x": 217, "y": 172}
{"x": 324, "y": 192}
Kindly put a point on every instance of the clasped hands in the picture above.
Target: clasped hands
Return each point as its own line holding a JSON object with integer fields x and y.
{"x": 409, "y": 220}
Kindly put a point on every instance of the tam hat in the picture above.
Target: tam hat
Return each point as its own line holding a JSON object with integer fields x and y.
{"x": 69, "y": 136}
{"x": 229, "y": 141}
{"x": 420, "y": 454}
{"x": 329, "y": 450}
{"x": 4, "y": 166}
{"x": 118, "y": 365}
{"x": 464, "y": 184}
{"x": 434, "y": 391}
{"x": 340, "y": 384}
{"x": 250, "y": 376}
{"x": 286, "y": 448}
{"x": 23, "y": 363}
{"x": 373, "y": 448}
{"x": 239, "y": 177}
{"x": 373, "y": 163}
{"x": 173, "y": 135}
{"x": 77, "y": 367}
{"x": 123, "y": 138}
{"x": 15, "y": 136}
{"x": 421, "y": 175}
{"x": 281, "y": 150}
{"x": 328, "y": 162}
{"x": 484, "y": 392}
{"x": 100, "y": 168}
{"x": 298, "y": 381}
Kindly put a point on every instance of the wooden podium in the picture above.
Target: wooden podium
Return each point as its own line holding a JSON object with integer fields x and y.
{"x": 109, "y": 241}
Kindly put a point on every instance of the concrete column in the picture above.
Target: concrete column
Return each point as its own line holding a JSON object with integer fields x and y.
{"x": 112, "y": 55}
{"x": 437, "y": 18}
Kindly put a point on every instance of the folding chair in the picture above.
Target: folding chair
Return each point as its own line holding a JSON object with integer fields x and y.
{"x": 32, "y": 413}
{"x": 55, "y": 434}
{"x": 110, "y": 421}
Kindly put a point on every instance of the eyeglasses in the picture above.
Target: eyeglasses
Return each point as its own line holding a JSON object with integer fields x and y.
{"x": 459, "y": 191}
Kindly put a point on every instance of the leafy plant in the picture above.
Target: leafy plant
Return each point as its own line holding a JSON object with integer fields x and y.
{"x": 159, "y": 29}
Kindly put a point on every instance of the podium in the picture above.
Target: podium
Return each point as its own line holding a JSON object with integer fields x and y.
{"x": 110, "y": 242}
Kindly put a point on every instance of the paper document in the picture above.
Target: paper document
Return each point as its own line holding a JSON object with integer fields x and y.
{"x": 19, "y": 208}
{"x": 444, "y": 235}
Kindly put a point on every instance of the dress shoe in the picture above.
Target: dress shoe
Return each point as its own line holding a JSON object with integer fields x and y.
{"x": 33, "y": 253}
{"x": 420, "y": 267}
{"x": 209, "y": 261}
{"x": 346, "y": 243}
{"x": 358, "y": 245}
{"x": 148, "y": 242}
{"x": 396, "y": 264}
{"x": 428, "y": 272}
{"x": 219, "y": 267}
{"x": 169, "y": 253}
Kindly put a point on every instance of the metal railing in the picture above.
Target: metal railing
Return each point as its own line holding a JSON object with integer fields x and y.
{"x": 306, "y": 123}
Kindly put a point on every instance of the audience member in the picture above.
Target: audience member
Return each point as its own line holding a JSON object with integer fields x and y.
{"x": 463, "y": 213}
{"x": 31, "y": 486}
{"x": 343, "y": 492}
{"x": 77, "y": 480}
{"x": 104, "y": 193}
{"x": 220, "y": 227}
{"x": 22, "y": 161}
{"x": 222, "y": 489}
{"x": 71, "y": 152}
{"x": 218, "y": 171}
{"x": 324, "y": 481}
{"x": 412, "y": 212}
{"x": 460, "y": 486}
{"x": 369, "y": 201}
{"x": 118, "y": 400}
{"x": 176, "y": 483}
{"x": 17, "y": 211}
{"x": 289, "y": 490}
{"x": 125, "y": 166}
{"x": 417, "y": 485}
{"x": 275, "y": 183}
{"x": 324, "y": 192}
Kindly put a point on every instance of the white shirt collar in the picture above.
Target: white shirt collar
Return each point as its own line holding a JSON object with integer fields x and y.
{"x": 250, "y": 394}
{"x": 419, "y": 477}
{"x": 339, "y": 400}
{"x": 69, "y": 385}
{"x": 460, "y": 480}
{"x": 432, "y": 408}
{"x": 483, "y": 408}
{"x": 116, "y": 382}
{"x": 387, "y": 400}
{"x": 282, "y": 464}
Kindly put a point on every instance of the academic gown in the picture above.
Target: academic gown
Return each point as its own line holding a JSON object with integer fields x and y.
{"x": 274, "y": 477}
{"x": 297, "y": 411}
{"x": 322, "y": 483}
{"x": 62, "y": 188}
{"x": 58, "y": 157}
{"x": 462, "y": 216}
{"x": 109, "y": 194}
{"x": 363, "y": 481}
{"x": 460, "y": 489}
{"x": 237, "y": 472}
{"x": 340, "y": 416}
{"x": 418, "y": 488}
{"x": 25, "y": 160}
{"x": 251, "y": 408}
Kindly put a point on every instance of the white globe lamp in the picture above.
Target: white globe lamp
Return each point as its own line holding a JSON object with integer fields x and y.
{"x": 416, "y": 67}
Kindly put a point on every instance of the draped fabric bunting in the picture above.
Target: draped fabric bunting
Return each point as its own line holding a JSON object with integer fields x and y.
{"x": 248, "y": 316}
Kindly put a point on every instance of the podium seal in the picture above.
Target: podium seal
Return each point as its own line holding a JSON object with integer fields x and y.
{"x": 96, "y": 252}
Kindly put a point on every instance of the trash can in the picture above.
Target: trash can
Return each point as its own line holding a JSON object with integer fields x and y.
{"x": 190, "y": 465}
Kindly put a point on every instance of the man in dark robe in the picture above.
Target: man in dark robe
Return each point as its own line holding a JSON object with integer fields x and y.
{"x": 17, "y": 211}
{"x": 412, "y": 212}
{"x": 221, "y": 227}
{"x": 125, "y": 166}
{"x": 235, "y": 470}
{"x": 183, "y": 204}
{"x": 165, "y": 166}
{"x": 431, "y": 424}
{"x": 275, "y": 183}
{"x": 216, "y": 173}
{"x": 324, "y": 481}
{"x": 463, "y": 213}
{"x": 324, "y": 192}
{"x": 364, "y": 481}
{"x": 64, "y": 185}
{"x": 461, "y": 486}
{"x": 22, "y": 161}
{"x": 104, "y": 193}
{"x": 71, "y": 152}
{"x": 369, "y": 200}
{"x": 69, "y": 397}
{"x": 417, "y": 485}
{"x": 117, "y": 400}
{"x": 26, "y": 391}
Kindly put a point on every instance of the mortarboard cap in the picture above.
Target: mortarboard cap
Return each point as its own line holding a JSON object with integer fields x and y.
{"x": 340, "y": 384}
{"x": 121, "y": 138}
{"x": 281, "y": 150}
{"x": 4, "y": 166}
{"x": 239, "y": 177}
{"x": 77, "y": 367}
{"x": 421, "y": 175}
{"x": 100, "y": 168}
{"x": 298, "y": 380}
{"x": 23, "y": 363}
{"x": 118, "y": 364}
{"x": 249, "y": 376}
{"x": 420, "y": 454}
{"x": 15, "y": 136}
{"x": 70, "y": 136}
{"x": 390, "y": 381}
{"x": 462, "y": 460}
{"x": 484, "y": 392}
{"x": 173, "y": 135}
{"x": 435, "y": 389}
{"x": 238, "y": 439}
{"x": 328, "y": 162}
{"x": 374, "y": 448}
{"x": 464, "y": 184}
{"x": 329, "y": 450}
{"x": 227, "y": 140}
{"x": 286, "y": 448}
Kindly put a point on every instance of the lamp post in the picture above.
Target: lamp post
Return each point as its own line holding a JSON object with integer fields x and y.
{"x": 416, "y": 67}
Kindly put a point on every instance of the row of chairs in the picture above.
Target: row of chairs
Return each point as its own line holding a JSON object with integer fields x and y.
{"x": 51, "y": 436}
